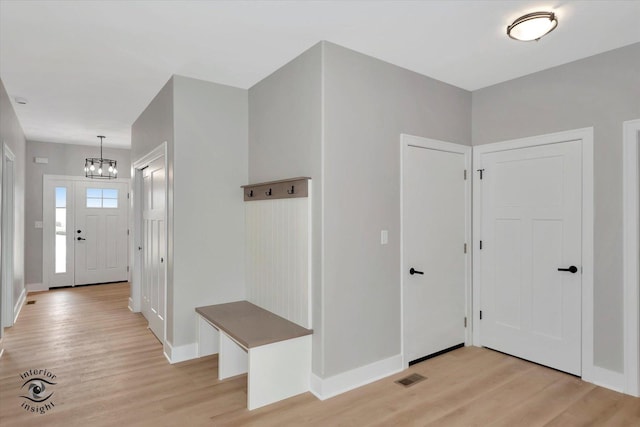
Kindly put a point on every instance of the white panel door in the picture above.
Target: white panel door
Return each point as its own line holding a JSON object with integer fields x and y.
{"x": 100, "y": 232}
{"x": 153, "y": 247}
{"x": 434, "y": 224}
{"x": 531, "y": 228}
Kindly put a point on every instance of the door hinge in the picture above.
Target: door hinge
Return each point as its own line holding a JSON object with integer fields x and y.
{"x": 480, "y": 314}
{"x": 127, "y": 231}
{"x": 128, "y": 195}
{"x": 465, "y": 248}
{"x": 481, "y": 173}
{"x": 480, "y": 244}
{"x": 127, "y": 268}
{"x": 465, "y": 322}
{"x": 465, "y": 174}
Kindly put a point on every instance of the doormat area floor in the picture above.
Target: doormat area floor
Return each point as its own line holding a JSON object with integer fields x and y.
{"x": 410, "y": 380}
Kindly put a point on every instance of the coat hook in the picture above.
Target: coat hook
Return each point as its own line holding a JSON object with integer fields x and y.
{"x": 250, "y": 193}
{"x": 291, "y": 191}
{"x": 268, "y": 193}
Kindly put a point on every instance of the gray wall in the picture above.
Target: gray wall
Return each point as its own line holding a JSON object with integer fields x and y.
{"x": 64, "y": 159}
{"x": 11, "y": 134}
{"x": 205, "y": 127}
{"x": 210, "y": 166}
{"x": 367, "y": 105}
{"x": 601, "y": 91}
{"x": 337, "y": 115}
{"x": 285, "y": 120}
{"x": 153, "y": 127}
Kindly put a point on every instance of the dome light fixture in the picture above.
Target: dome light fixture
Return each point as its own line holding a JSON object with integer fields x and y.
{"x": 91, "y": 162}
{"x": 532, "y": 26}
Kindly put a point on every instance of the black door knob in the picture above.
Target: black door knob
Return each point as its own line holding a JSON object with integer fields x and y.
{"x": 413, "y": 271}
{"x": 81, "y": 238}
{"x": 572, "y": 269}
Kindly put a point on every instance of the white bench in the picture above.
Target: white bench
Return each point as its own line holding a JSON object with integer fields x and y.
{"x": 274, "y": 352}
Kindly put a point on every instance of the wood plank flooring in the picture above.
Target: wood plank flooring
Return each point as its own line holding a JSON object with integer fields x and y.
{"x": 110, "y": 371}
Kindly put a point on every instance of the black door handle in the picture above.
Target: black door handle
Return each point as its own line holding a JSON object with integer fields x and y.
{"x": 572, "y": 269}
{"x": 81, "y": 238}
{"x": 413, "y": 271}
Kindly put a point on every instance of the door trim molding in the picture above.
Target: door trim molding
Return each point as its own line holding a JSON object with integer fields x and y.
{"x": 631, "y": 254}
{"x": 433, "y": 144}
{"x": 9, "y": 311}
{"x": 586, "y": 136}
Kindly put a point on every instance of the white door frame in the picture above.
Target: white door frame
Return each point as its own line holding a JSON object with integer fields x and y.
{"x": 48, "y": 226}
{"x": 586, "y": 136}
{"x": 417, "y": 141}
{"x": 135, "y": 300}
{"x": 8, "y": 240}
{"x": 631, "y": 252}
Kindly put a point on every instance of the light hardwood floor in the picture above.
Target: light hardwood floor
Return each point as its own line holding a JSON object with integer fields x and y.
{"x": 110, "y": 370}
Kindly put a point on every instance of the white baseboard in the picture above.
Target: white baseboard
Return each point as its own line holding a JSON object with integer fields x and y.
{"x": 180, "y": 353}
{"x": 36, "y": 287}
{"x": 19, "y": 304}
{"x": 325, "y": 388}
{"x": 607, "y": 379}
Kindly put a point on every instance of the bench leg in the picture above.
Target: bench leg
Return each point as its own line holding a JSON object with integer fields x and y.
{"x": 208, "y": 340}
{"x": 278, "y": 371}
{"x": 232, "y": 359}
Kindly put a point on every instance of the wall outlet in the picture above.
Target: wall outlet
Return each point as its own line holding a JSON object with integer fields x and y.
{"x": 38, "y": 224}
{"x": 384, "y": 237}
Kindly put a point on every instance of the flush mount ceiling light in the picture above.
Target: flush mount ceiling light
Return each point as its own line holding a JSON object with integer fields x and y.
{"x": 532, "y": 26}
{"x": 99, "y": 167}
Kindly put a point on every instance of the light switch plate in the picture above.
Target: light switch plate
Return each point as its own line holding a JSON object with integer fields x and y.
{"x": 384, "y": 237}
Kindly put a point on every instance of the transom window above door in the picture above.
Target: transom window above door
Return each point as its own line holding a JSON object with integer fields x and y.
{"x": 102, "y": 198}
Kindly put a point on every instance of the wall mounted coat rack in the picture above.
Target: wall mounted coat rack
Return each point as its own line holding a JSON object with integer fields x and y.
{"x": 282, "y": 189}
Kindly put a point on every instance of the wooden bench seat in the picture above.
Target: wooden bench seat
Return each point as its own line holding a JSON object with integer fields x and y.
{"x": 275, "y": 352}
{"x": 250, "y": 325}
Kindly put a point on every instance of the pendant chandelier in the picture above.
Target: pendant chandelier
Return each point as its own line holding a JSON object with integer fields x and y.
{"x": 99, "y": 167}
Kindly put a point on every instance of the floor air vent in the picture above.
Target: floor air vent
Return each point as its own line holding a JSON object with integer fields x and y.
{"x": 31, "y": 302}
{"x": 411, "y": 380}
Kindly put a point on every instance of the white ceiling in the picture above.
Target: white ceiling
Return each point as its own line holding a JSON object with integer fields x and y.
{"x": 91, "y": 67}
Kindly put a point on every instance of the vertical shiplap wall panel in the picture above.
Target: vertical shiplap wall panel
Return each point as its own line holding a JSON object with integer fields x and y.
{"x": 277, "y": 257}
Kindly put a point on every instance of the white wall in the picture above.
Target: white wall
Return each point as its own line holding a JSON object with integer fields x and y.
{"x": 11, "y": 134}
{"x": 210, "y": 166}
{"x": 64, "y": 159}
{"x": 601, "y": 91}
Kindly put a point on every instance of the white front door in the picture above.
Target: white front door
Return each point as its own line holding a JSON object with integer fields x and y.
{"x": 531, "y": 235}
{"x": 153, "y": 247}
{"x": 84, "y": 231}
{"x": 435, "y": 267}
{"x": 100, "y": 232}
